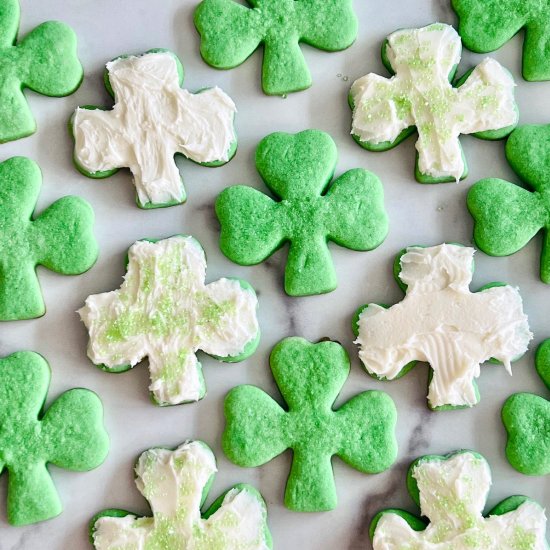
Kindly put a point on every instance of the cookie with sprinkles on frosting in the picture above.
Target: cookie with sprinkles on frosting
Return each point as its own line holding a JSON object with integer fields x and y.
{"x": 451, "y": 492}
{"x": 440, "y": 321}
{"x": 421, "y": 96}
{"x": 152, "y": 120}
{"x": 176, "y": 484}
{"x": 166, "y": 312}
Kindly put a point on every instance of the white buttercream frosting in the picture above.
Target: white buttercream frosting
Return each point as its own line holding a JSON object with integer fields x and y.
{"x": 441, "y": 322}
{"x": 173, "y": 483}
{"x": 164, "y": 311}
{"x": 421, "y": 95}
{"x": 453, "y": 493}
{"x": 152, "y": 120}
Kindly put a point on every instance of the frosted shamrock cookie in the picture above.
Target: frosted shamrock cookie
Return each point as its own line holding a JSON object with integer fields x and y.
{"x": 176, "y": 484}
{"x": 451, "y": 492}
{"x": 486, "y": 25}
{"x": 152, "y": 120}
{"x": 69, "y": 435}
{"x": 420, "y": 96}
{"x": 60, "y": 238}
{"x": 231, "y": 32}
{"x": 440, "y": 321}
{"x": 527, "y": 421}
{"x": 310, "y": 376}
{"x": 166, "y": 312}
{"x": 508, "y": 216}
{"x": 309, "y": 210}
{"x": 45, "y": 61}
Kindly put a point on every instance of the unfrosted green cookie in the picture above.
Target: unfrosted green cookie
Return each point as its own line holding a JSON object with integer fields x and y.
{"x": 486, "y": 25}
{"x": 421, "y": 96}
{"x": 176, "y": 484}
{"x": 309, "y": 211}
{"x": 45, "y": 61}
{"x": 442, "y": 322}
{"x": 60, "y": 238}
{"x": 152, "y": 120}
{"x": 508, "y": 216}
{"x": 166, "y": 312}
{"x": 310, "y": 377}
{"x": 527, "y": 421}
{"x": 451, "y": 492}
{"x": 231, "y": 32}
{"x": 69, "y": 435}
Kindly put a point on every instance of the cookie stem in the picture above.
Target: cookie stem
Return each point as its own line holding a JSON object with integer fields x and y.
{"x": 310, "y": 486}
{"x": 32, "y": 496}
{"x": 545, "y": 258}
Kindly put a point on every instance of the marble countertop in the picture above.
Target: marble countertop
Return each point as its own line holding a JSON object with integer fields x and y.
{"x": 418, "y": 215}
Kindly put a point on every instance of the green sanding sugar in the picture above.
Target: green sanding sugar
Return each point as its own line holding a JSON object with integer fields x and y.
{"x": 69, "y": 434}
{"x": 486, "y": 25}
{"x": 45, "y": 61}
{"x": 60, "y": 238}
{"x": 310, "y": 210}
{"x": 231, "y": 32}
{"x": 310, "y": 376}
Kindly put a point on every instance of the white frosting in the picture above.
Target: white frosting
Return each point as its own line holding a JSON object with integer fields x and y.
{"x": 453, "y": 493}
{"x": 152, "y": 120}
{"x": 173, "y": 483}
{"x": 164, "y": 311}
{"x": 421, "y": 95}
{"x": 441, "y": 322}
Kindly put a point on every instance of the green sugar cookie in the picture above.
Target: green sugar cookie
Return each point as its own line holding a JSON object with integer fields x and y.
{"x": 451, "y": 492}
{"x": 69, "y": 435}
{"x": 421, "y": 96}
{"x": 60, "y": 238}
{"x": 486, "y": 25}
{"x": 440, "y": 321}
{"x": 231, "y": 32}
{"x": 310, "y": 377}
{"x": 508, "y": 216}
{"x": 526, "y": 418}
{"x": 176, "y": 484}
{"x": 308, "y": 212}
{"x": 45, "y": 61}
{"x": 153, "y": 119}
{"x": 166, "y": 312}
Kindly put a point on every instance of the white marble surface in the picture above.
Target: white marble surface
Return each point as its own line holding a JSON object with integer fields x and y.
{"x": 418, "y": 215}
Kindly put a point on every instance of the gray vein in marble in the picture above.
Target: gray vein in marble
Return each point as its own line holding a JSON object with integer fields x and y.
{"x": 374, "y": 502}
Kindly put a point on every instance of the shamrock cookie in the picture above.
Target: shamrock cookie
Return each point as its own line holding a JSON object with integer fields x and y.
{"x": 311, "y": 210}
{"x": 69, "y": 435}
{"x": 420, "y": 97}
{"x": 231, "y": 32}
{"x": 451, "y": 492}
{"x": 45, "y": 61}
{"x": 60, "y": 238}
{"x": 164, "y": 311}
{"x": 176, "y": 484}
{"x": 508, "y": 216}
{"x": 486, "y": 25}
{"x": 527, "y": 421}
{"x": 440, "y": 321}
{"x": 310, "y": 377}
{"x": 152, "y": 120}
